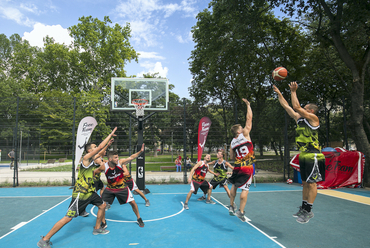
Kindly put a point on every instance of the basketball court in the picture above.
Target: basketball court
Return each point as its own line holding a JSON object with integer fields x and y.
{"x": 340, "y": 219}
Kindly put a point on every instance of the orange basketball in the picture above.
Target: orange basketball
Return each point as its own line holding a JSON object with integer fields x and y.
{"x": 279, "y": 73}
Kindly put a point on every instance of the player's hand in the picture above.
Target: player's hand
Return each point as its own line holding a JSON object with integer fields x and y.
{"x": 110, "y": 141}
{"x": 293, "y": 86}
{"x": 217, "y": 174}
{"x": 114, "y": 130}
{"x": 276, "y": 89}
{"x": 142, "y": 147}
{"x": 246, "y": 101}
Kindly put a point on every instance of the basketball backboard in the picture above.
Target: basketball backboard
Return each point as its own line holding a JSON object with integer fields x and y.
{"x": 124, "y": 90}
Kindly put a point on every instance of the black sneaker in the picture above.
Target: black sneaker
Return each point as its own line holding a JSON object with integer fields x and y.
{"x": 241, "y": 216}
{"x": 202, "y": 198}
{"x": 140, "y": 222}
{"x": 304, "y": 217}
{"x": 103, "y": 225}
{"x": 231, "y": 211}
{"x": 44, "y": 243}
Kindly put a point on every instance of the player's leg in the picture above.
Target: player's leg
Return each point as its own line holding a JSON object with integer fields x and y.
{"x": 132, "y": 186}
{"x": 212, "y": 185}
{"x": 227, "y": 190}
{"x": 232, "y": 199}
{"x": 194, "y": 186}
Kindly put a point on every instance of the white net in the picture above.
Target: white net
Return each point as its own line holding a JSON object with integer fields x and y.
{"x": 139, "y": 106}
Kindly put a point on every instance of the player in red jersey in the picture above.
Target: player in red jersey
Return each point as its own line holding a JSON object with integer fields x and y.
{"x": 241, "y": 149}
{"x": 197, "y": 180}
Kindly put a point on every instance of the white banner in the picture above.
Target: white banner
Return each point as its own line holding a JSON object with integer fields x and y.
{"x": 84, "y": 131}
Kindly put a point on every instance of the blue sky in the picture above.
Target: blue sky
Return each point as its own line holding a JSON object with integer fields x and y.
{"x": 161, "y": 29}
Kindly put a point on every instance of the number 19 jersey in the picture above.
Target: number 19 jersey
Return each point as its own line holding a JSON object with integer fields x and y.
{"x": 244, "y": 154}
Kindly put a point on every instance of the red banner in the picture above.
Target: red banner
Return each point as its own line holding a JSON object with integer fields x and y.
{"x": 203, "y": 129}
{"x": 342, "y": 168}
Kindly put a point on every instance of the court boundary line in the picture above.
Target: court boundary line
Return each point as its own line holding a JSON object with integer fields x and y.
{"x": 26, "y": 222}
{"x": 248, "y": 222}
{"x": 134, "y": 221}
{"x": 34, "y": 196}
{"x": 269, "y": 191}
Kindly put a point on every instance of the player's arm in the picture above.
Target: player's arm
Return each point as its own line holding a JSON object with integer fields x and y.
{"x": 101, "y": 168}
{"x": 192, "y": 171}
{"x": 285, "y": 104}
{"x": 92, "y": 154}
{"x": 102, "y": 152}
{"x": 212, "y": 172}
{"x": 312, "y": 118}
{"x": 248, "y": 123}
{"x": 232, "y": 155}
{"x": 229, "y": 165}
{"x": 132, "y": 157}
{"x": 212, "y": 163}
{"x": 125, "y": 170}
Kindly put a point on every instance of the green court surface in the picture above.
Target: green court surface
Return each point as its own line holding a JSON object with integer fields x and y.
{"x": 338, "y": 222}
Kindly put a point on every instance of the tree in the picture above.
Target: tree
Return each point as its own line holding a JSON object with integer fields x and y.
{"x": 343, "y": 25}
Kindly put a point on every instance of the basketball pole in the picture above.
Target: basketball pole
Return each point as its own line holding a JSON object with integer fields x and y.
{"x": 140, "y": 160}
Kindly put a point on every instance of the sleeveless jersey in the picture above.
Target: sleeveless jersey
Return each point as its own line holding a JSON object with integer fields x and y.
{"x": 97, "y": 176}
{"x": 115, "y": 177}
{"x": 244, "y": 154}
{"x": 85, "y": 181}
{"x": 307, "y": 136}
{"x": 200, "y": 172}
{"x": 221, "y": 169}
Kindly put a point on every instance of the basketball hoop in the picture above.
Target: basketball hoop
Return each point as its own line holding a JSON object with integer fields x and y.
{"x": 139, "y": 106}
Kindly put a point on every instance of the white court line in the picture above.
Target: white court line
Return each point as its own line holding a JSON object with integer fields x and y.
{"x": 134, "y": 221}
{"x": 30, "y": 196}
{"x": 248, "y": 221}
{"x": 35, "y": 217}
{"x": 270, "y": 191}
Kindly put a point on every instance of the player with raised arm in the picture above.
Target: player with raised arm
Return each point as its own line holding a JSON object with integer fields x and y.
{"x": 117, "y": 188}
{"x": 197, "y": 180}
{"x": 311, "y": 160}
{"x": 241, "y": 149}
{"x": 83, "y": 194}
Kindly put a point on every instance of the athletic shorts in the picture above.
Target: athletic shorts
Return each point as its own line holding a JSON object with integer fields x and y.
{"x": 131, "y": 184}
{"x": 215, "y": 182}
{"x": 99, "y": 185}
{"x": 241, "y": 181}
{"x": 312, "y": 167}
{"x": 203, "y": 185}
{"x": 77, "y": 206}
{"x": 123, "y": 195}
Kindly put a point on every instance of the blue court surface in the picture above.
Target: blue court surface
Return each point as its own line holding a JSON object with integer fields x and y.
{"x": 29, "y": 213}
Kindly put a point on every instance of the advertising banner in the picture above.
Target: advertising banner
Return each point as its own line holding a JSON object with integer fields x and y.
{"x": 84, "y": 131}
{"x": 203, "y": 129}
{"x": 342, "y": 168}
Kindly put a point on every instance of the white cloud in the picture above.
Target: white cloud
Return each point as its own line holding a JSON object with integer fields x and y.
{"x": 153, "y": 68}
{"x": 148, "y": 17}
{"x": 150, "y": 55}
{"x": 40, "y": 31}
{"x": 15, "y": 15}
{"x": 29, "y": 7}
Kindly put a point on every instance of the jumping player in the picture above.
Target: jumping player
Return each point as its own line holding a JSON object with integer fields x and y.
{"x": 116, "y": 187}
{"x": 220, "y": 167}
{"x": 311, "y": 160}
{"x": 197, "y": 180}
{"x": 83, "y": 194}
{"x": 241, "y": 149}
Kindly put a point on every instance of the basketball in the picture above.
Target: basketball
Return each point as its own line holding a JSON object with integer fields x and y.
{"x": 279, "y": 73}
{"x": 289, "y": 181}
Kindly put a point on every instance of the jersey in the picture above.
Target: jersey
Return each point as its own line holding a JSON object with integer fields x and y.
{"x": 85, "y": 181}
{"x": 307, "y": 136}
{"x": 244, "y": 154}
{"x": 115, "y": 177}
{"x": 200, "y": 172}
{"x": 221, "y": 169}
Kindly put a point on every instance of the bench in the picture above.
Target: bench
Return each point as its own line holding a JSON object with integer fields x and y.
{"x": 50, "y": 161}
{"x": 61, "y": 160}
{"x": 168, "y": 167}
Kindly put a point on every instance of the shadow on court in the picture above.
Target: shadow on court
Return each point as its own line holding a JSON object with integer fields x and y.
{"x": 31, "y": 212}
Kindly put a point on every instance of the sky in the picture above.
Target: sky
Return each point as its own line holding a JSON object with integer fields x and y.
{"x": 160, "y": 29}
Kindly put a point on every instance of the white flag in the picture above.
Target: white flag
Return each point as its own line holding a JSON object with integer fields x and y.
{"x": 84, "y": 131}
